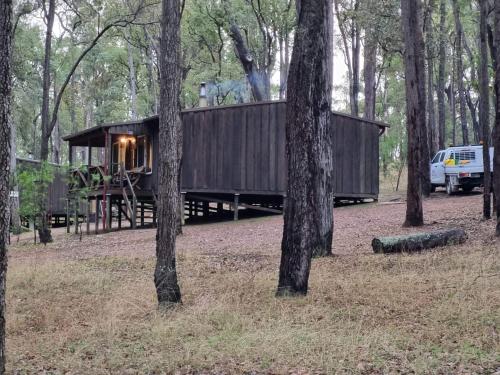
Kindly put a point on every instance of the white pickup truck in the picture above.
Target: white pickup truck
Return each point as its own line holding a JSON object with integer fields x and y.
{"x": 459, "y": 167}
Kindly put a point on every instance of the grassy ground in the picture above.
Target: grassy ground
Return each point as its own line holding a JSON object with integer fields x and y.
{"x": 436, "y": 312}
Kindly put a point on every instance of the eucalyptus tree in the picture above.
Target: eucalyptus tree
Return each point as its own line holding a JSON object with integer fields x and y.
{"x": 6, "y": 35}
{"x": 308, "y": 216}
{"x": 459, "y": 47}
{"x": 484, "y": 106}
{"x": 165, "y": 275}
{"x": 411, "y": 18}
{"x": 496, "y": 131}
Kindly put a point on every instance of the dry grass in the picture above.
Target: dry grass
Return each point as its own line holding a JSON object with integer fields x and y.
{"x": 436, "y": 312}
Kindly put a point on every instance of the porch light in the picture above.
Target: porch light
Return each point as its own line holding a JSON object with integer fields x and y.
{"x": 123, "y": 140}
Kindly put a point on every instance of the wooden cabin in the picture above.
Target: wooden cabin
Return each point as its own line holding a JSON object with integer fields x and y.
{"x": 233, "y": 156}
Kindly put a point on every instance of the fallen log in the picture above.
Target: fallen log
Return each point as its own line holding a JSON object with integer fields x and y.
{"x": 419, "y": 241}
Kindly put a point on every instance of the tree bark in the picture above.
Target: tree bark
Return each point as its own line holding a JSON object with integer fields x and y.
{"x": 460, "y": 72}
{"x": 308, "y": 217}
{"x": 442, "y": 75}
{"x": 247, "y": 61}
{"x": 6, "y": 35}
{"x": 369, "y": 70}
{"x": 484, "y": 105}
{"x": 44, "y": 232}
{"x": 496, "y": 132}
{"x": 132, "y": 78}
{"x": 433, "y": 130}
{"x": 415, "y": 106}
{"x": 165, "y": 276}
{"x": 56, "y": 137}
{"x": 347, "y": 54}
{"x": 419, "y": 241}
{"x": 15, "y": 220}
{"x": 356, "y": 48}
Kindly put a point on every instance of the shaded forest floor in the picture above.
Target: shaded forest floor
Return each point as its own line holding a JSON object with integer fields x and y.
{"x": 89, "y": 307}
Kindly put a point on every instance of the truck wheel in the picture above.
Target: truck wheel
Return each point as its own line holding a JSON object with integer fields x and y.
{"x": 449, "y": 187}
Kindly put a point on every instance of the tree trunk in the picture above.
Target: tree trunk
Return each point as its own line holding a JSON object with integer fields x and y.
{"x": 460, "y": 72}
{"x": 254, "y": 77}
{"x": 44, "y": 232}
{"x": 425, "y": 135}
{"x": 355, "y": 44}
{"x": 442, "y": 75}
{"x": 496, "y": 132}
{"x": 343, "y": 34}
{"x": 369, "y": 71}
{"x": 6, "y": 35}
{"x": 415, "y": 106}
{"x": 308, "y": 218}
{"x": 56, "y": 137}
{"x": 165, "y": 276}
{"x": 151, "y": 73}
{"x": 432, "y": 129}
{"x": 419, "y": 241}
{"x": 453, "y": 104}
{"x": 15, "y": 220}
{"x": 132, "y": 78}
{"x": 484, "y": 106}
{"x": 72, "y": 105}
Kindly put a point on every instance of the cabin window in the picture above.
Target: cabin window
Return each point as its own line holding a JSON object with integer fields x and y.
{"x": 436, "y": 158}
{"x": 144, "y": 153}
{"x": 132, "y": 152}
{"x": 442, "y": 157}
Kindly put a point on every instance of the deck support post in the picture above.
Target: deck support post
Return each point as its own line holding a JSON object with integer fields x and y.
{"x": 235, "y": 206}
{"x": 220, "y": 209}
{"x": 109, "y": 217}
{"x": 77, "y": 219}
{"x": 68, "y": 218}
{"x": 206, "y": 209}
{"x": 182, "y": 205}
{"x": 97, "y": 209}
{"x": 134, "y": 213}
{"x": 142, "y": 213}
{"x": 88, "y": 218}
{"x": 120, "y": 205}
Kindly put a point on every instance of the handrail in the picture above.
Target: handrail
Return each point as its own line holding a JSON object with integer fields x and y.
{"x": 133, "y": 211}
{"x": 129, "y": 183}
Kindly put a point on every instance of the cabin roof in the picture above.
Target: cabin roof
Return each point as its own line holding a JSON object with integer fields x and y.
{"x": 83, "y": 137}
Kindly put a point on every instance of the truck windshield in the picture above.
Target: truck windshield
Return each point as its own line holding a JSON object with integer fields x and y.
{"x": 436, "y": 158}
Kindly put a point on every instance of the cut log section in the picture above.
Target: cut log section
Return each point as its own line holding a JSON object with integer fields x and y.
{"x": 419, "y": 241}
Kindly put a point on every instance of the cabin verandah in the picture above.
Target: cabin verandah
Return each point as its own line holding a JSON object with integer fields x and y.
{"x": 111, "y": 172}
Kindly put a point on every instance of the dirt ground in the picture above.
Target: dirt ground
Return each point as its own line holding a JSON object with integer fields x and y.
{"x": 89, "y": 306}
{"x": 355, "y": 227}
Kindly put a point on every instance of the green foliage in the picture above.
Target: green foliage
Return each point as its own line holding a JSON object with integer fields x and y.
{"x": 33, "y": 181}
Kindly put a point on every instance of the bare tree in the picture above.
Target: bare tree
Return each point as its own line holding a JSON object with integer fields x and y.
{"x": 484, "y": 105}
{"x": 308, "y": 219}
{"x": 415, "y": 106}
{"x": 165, "y": 276}
{"x": 6, "y": 33}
